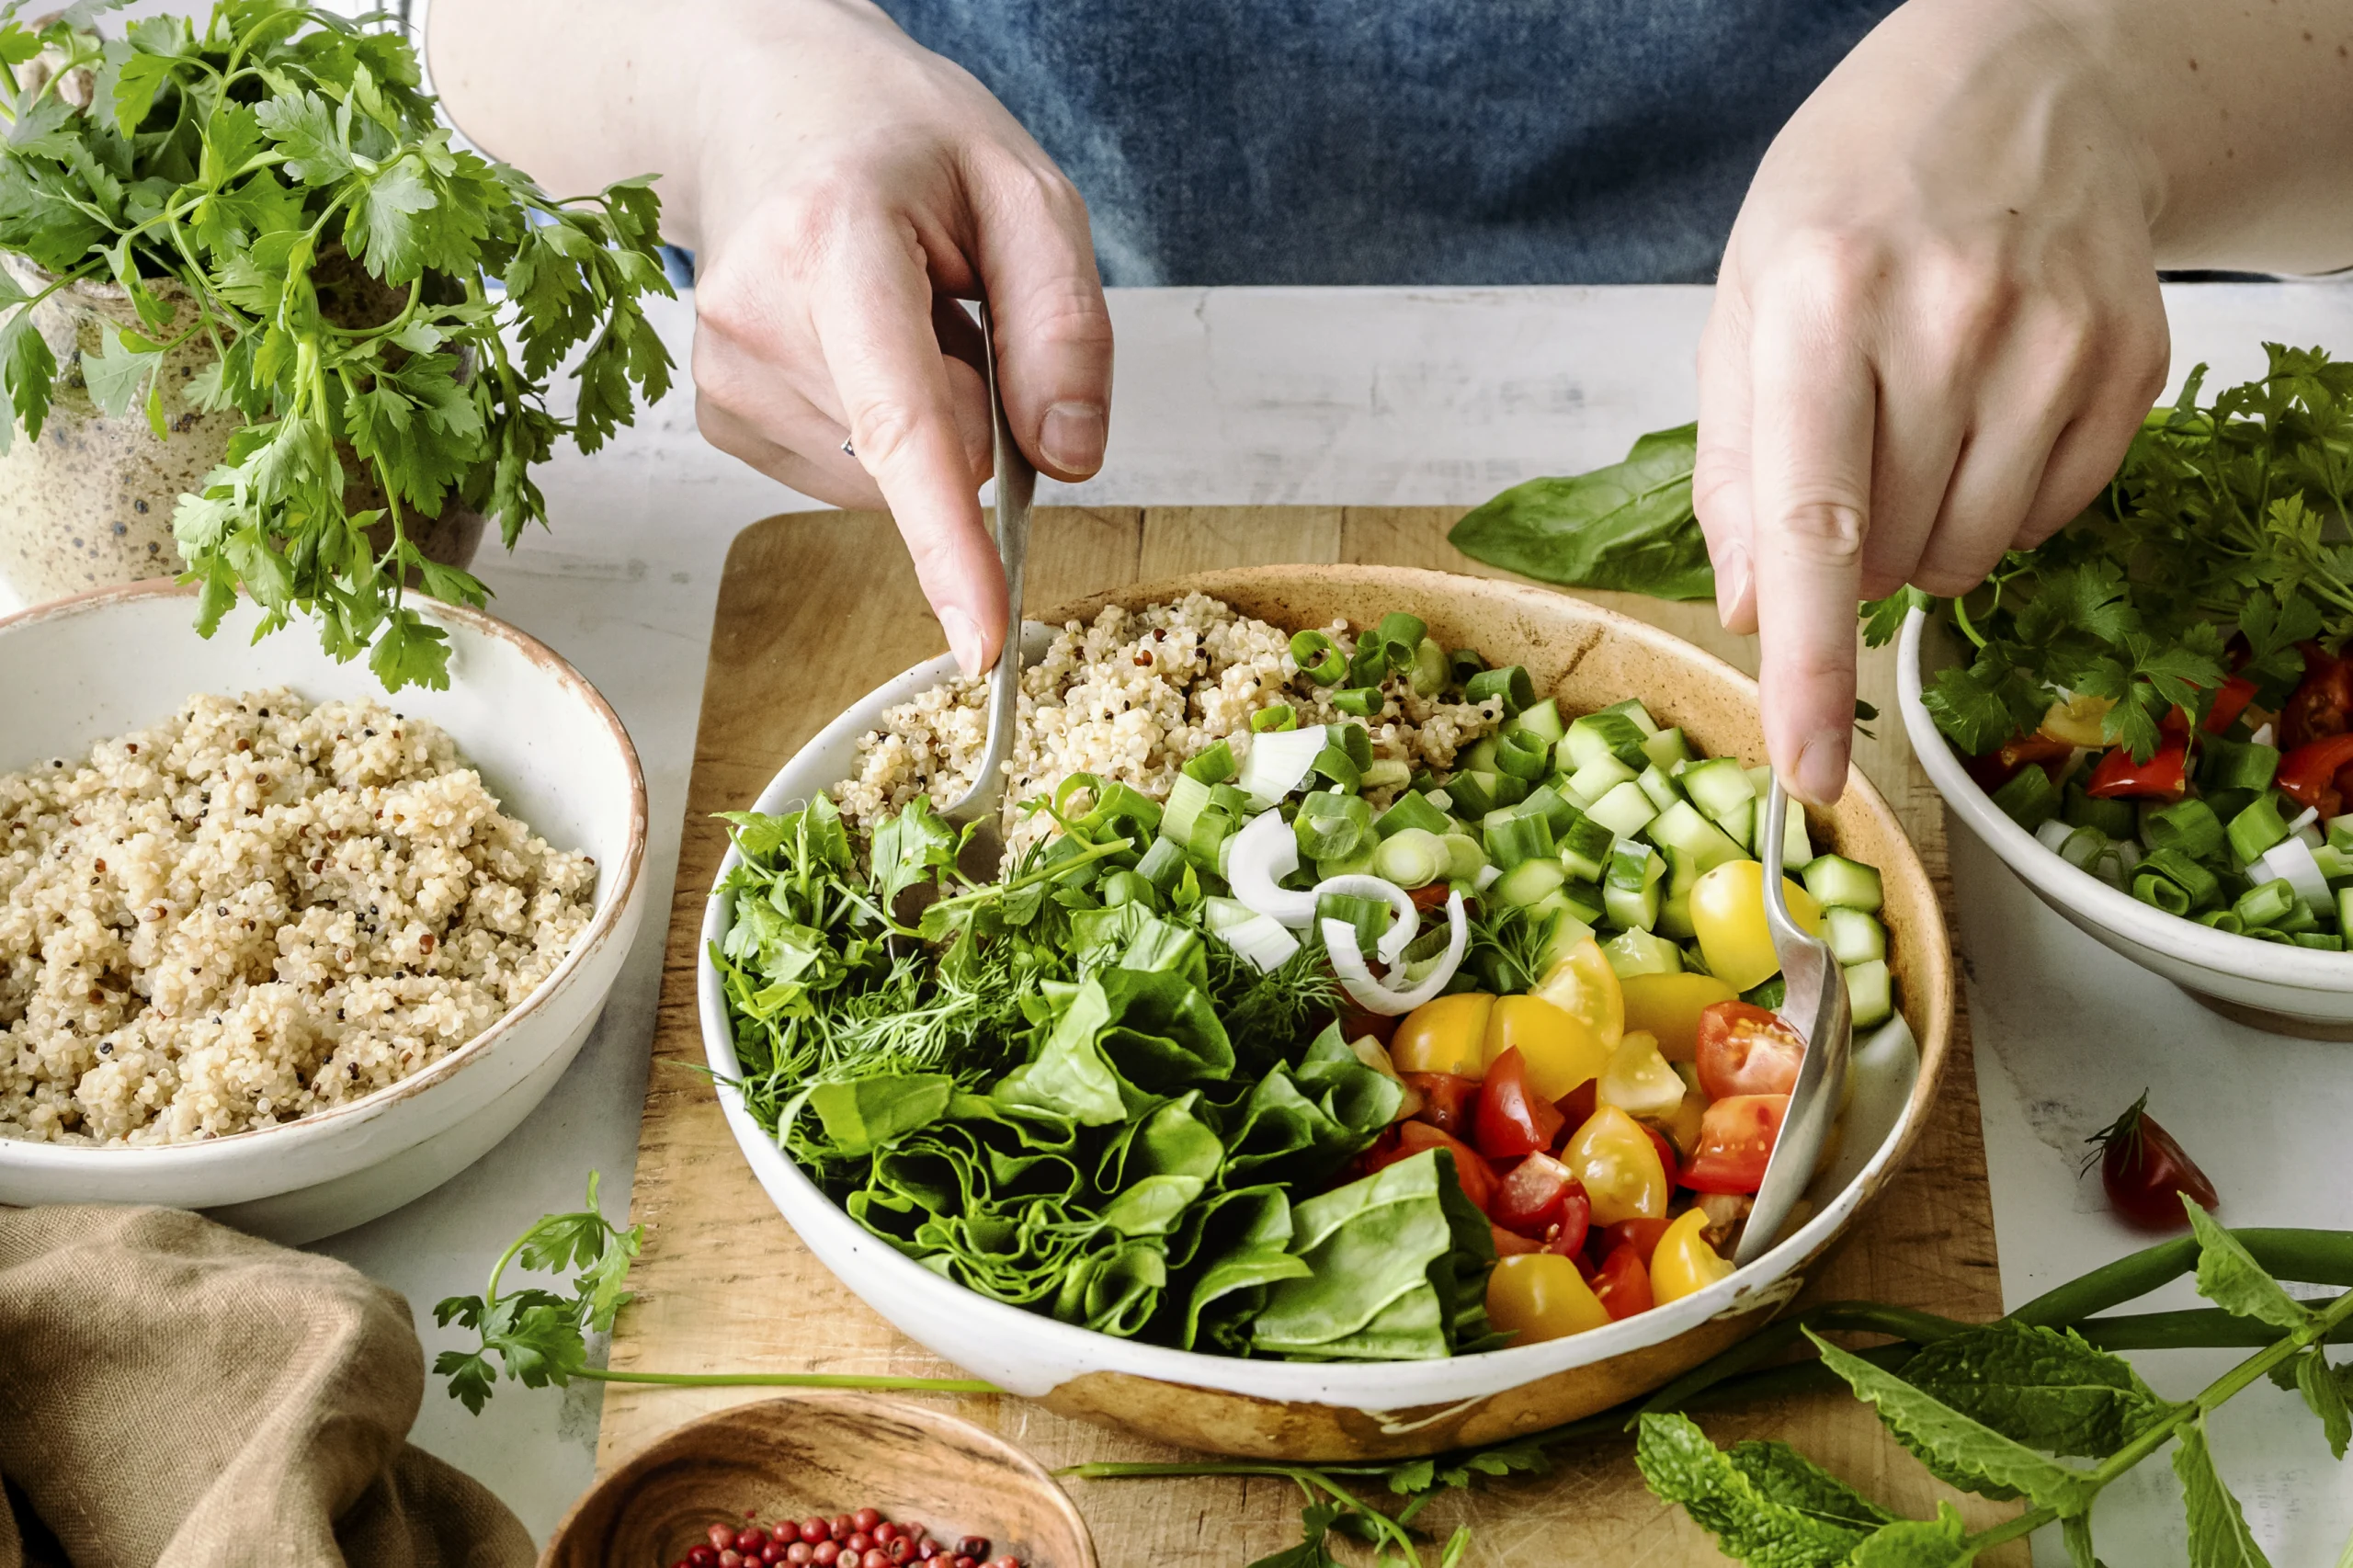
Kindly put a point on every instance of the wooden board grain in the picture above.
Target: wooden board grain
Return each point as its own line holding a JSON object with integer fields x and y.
{"x": 815, "y": 609}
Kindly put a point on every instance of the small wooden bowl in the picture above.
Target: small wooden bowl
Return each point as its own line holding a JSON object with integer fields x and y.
{"x": 821, "y": 1453}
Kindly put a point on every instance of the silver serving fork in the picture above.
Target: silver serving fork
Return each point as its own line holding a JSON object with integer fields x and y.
{"x": 1813, "y": 1004}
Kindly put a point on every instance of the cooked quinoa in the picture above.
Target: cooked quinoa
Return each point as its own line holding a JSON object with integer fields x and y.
{"x": 1131, "y": 697}
{"x": 255, "y": 910}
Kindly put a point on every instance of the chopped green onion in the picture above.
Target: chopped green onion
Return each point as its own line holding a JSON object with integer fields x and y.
{"x": 2265, "y": 905}
{"x": 1364, "y": 701}
{"x": 1411, "y": 858}
{"x": 2223, "y": 920}
{"x": 1474, "y": 793}
{"x": 1331, "y": 826}
{"x": 1523, "y": 755}
{"x": 2200, "y": 886}
{"x": 1465, "y": 662}
{"x": 1335, "y": 764}
{"x": 1429, "y": 672}
{"x": 2237, "y": 765}
{"x": 1412, "y": 809}
{"x": 1385, "y": 772}
{"x": 1357, "y": 742}
{"x": 1318, "y": 658}
{"x": 1163, "y": 863}
{"x": 1402, "y": 633}
{"x": 1212, "y": 765}
{"x": 2255, "y": 830}
{"x": 1369, "y": 664}
{"x": 1278, "y": 716}
{"x": 2114, "y": 818}
{"x": 1188, "y": 797}
{"x": 2028, "y": 798}
{"x": 2188, "y": 826}
{"x": 1127, "y": 887}
{"x": 1509, "y": 684}
{"x": 2321, "y": 940}
{"x": 1370, "y": 917}
{"x": 1517, "y": 834}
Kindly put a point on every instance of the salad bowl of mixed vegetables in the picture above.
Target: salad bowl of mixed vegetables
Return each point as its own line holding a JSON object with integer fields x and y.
{"x": 2150, "y": 717}
{"x": 1375, "y": 1057}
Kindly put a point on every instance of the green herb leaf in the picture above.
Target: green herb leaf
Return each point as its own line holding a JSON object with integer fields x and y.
{"x": 1681, "y": 1466}
{"x": 119, "y": 374}
{"x": 1787, "y": 1477}
{"x": 2042, "y": 1387}
{"x": 27, "y": 369}
{"x": 2229, "y": 1277}
{"x": 1961, "y": 1449}
{"x": 2323, "y": 1390}
{"x": 1941, "y": 1543}
{"x": 1628, "y": 526}
{"x": 2218, "y": 1534}
{"x": 2075, "y": 1534}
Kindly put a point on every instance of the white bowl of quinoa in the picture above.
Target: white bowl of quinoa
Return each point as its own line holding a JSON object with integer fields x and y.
{"x": 279, "y": 947}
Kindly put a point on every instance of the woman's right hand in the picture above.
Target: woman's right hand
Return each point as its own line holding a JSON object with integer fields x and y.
{"x": 849, "y": 188}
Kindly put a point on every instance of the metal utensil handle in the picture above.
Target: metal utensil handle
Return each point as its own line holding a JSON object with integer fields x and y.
{"x": 1814, "y": 1002}
{"x": 1017, "y": 486}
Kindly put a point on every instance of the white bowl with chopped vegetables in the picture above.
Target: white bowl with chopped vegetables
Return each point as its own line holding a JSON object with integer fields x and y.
{"x": 1100, "y": 1132}
{"x": 279, "y": 947}
{"x": 2202, "y": 874}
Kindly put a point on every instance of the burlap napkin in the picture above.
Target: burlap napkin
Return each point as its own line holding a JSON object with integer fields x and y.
{"x": 174, "y": 1395}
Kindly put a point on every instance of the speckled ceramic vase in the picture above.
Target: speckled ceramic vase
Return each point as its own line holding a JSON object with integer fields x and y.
{"x": 90, "y": 503}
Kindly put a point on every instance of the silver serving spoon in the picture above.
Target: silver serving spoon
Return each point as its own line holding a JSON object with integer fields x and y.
{"x": 1813, "y": 1004}
{"x": 983, "y": 807}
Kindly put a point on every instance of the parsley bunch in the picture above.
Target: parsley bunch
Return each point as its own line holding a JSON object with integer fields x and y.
{"x": 2216, "y": 529}
{"x": 276, "y": 186}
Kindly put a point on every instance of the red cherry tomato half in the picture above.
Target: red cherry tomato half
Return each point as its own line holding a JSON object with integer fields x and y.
{"x": 1642, "y": 1235}
{"x": 1735, "y": 1142}
{"x": 1577, "y": 1106}
{"x": 1745, "y": 1050}
{"x": 1511, "y": 1244}
{"x": 1447, "y": 1100}
{"x": 2323, "y": 704}
{"x": 2147, "y": 1173}
{"x": 1512, "y": 1118}
{"x": 1623, "y": 1283}
{"x": 1533, "y": 1196}
{"x": 1666, "y": 1159}
{"x": 1567, "y": 1238}
{"x": 1478, "y": 1177}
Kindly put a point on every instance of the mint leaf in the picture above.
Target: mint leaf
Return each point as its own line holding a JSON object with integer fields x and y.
{"x": 119, "y": 374}
{"x": 2323, "y": 1392}
{"x": 1961, "y": 1449}
{"x": 2229, "y": 1277}
{"x": 1941, "y": 1543}
{"x": 2042, "y": 1387}
{"x": 1785, "y": 1476}
{"x": 2218, "y": 1534}
{"x": 1681, "y": 1466}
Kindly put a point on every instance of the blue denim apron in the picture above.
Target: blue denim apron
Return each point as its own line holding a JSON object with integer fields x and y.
{"x": 1401, "y": 142}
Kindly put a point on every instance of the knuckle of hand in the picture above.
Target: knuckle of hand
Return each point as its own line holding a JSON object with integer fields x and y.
{"x": 1826, "y": 532}
{"x": 1838, "y": 271}
{"x": 887, "y": 433}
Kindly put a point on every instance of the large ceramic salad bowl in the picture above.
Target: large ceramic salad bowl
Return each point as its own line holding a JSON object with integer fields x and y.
{"x": 1587, "y": 657}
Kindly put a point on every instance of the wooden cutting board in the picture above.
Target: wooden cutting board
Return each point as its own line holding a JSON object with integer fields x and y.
{"x": 816, "y": 609}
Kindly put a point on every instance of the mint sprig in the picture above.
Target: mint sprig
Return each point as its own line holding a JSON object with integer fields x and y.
{"x": 359, "y": 279}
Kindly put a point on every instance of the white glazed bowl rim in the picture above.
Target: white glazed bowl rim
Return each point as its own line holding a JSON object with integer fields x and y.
{"x": 2290, "y": 967}
{"x": 319, "y": 1127}
{"x": 1770, "y": 1280}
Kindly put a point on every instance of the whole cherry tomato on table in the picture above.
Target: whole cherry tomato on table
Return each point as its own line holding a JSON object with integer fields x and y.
{"x": 1746, "y": 1049}
{"x": 2146, "y": 1173}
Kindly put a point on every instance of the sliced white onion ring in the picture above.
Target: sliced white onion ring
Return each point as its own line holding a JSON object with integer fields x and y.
{"x": 1263, "y": 853}
{"x": 1358, "y": 885}
{"x": 1355, "y": 975}
{"x": 1278, "y": 761}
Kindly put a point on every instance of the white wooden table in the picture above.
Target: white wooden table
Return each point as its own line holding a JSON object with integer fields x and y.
{"x": 1432, "y": 397}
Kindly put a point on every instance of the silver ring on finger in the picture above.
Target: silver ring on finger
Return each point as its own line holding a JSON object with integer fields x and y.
{"x": 848, "y": 450}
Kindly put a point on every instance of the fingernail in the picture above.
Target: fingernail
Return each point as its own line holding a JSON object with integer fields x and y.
{"x": 1821, "y": 773}
{"x": 1071, "y": 437}
{"x": 1731, "y": 580}
{"x": 963, "y": 637}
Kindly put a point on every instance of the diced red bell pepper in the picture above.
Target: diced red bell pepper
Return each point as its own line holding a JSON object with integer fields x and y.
{"x": 1533, "y": 1196}
{"x": 2309, "y": 773}
{"x": 1447, "y": 1100}
{"x": 1429, "y": 896}
{"x": 2323, "y": 703}
{"x": 1512, "y": 1118}
{"x": 1996, "y": 768}
{"x": 2165, "y": 776}
{"x": 2229, "y": 703}
{"x": 1477, "y": 1177}
{"x": 1623, "y": 1283}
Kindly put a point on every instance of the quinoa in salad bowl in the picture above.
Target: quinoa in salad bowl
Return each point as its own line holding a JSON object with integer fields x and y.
{"x": 273, "y": 947}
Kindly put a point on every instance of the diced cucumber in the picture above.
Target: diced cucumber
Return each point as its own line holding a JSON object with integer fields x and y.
{"x": 1597, "y": 736}
{"x": 1542, "y": 721}
{"x": 1584, "y": 900}
{"x": 1568, "y": 928}
{"x": 1508, "y": 791}
{"x": 1848, "y": 884}
{"x": 1668, "y": 749}
{"x": 1797, "y": 850}
{"x": 1869, "y": 993}
{"x": 1629, "y": 891}
{"x": 1681, "y": 828}
{"x": 1187, "y": 796}
{"x": 1719, "y": 787}
{"x": 1464, "y": 858}
{"x": 1528, "y": 881}
{"x": 1558, "y": 814}
{"x": 1513, "y": 834}
{"x": 1597, "y": 778}
{"x": 1740, "y": 824}
{"x": 1760, "y": 780}
{"x": 1584, "y": 849}
{"x": 1631, "y": 954}
{"x": 1674, "y": 912}
{"x": 1633, "y": 708}
{"x": 1625, "y": 811}
{"x": 1659, "y": 787}
{"x": 1481, "y": 758}
{"x": 1412, "y": 811}
{"x": 2344, "y": 909}
{"x": 1854, "y": 938}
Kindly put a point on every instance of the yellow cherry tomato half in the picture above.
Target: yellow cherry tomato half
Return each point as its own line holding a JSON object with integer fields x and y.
{"x": 2078, "y": 721}
{"x": 1536, "y": 1296}
{"x": 1667, "y": 1007}
{"x": 1444, "y": 1035}
{"x": 1639, "y": 1081}
{"x": 1584, "y": 986}
{"x": 1561, "y": 1049}
{"x": 1616, "y": 1162}
{"x": 1683, "y": 1264}
{"x": 1728, "y": 917}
